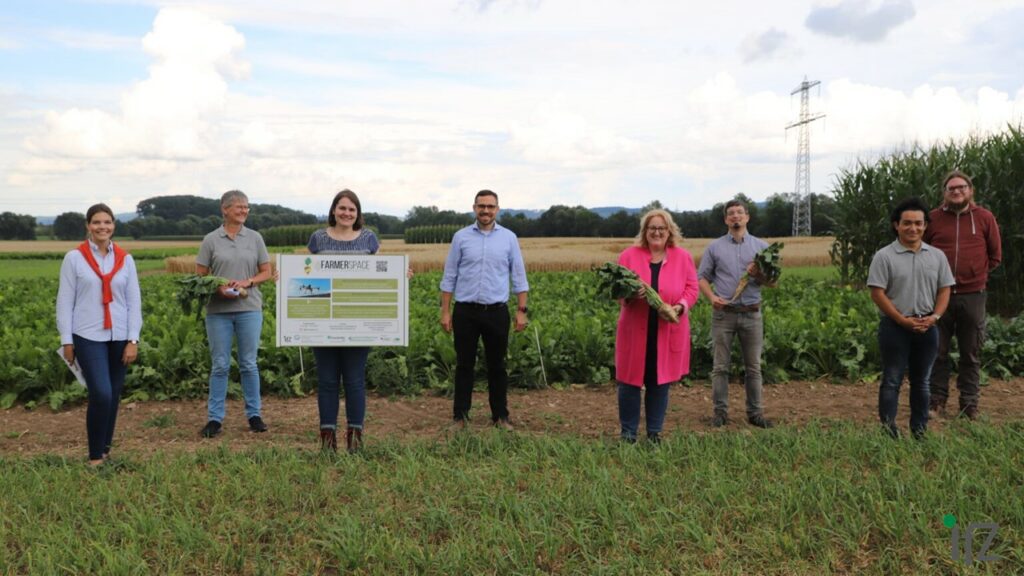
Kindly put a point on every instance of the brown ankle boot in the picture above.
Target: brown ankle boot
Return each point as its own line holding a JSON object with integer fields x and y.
{"x": 328, "y": 440}
{"x": 354, "y": 439}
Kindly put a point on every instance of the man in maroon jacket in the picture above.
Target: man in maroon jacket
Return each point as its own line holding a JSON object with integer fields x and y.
{"x": 969, "y": 235}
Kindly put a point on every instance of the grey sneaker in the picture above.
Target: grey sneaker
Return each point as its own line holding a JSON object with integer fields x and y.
{"x": 720, "y": 419}
{"x": 760, "y": 421}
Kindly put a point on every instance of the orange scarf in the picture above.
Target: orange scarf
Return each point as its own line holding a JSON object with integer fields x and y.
{"x": 108, "y": 293}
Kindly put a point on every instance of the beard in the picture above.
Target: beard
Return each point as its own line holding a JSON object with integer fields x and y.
{"x": 958, "y": 206}
{"x": 735, "y": 226}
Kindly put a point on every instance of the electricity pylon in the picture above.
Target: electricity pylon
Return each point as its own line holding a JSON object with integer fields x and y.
{"x": 802, "y": 190}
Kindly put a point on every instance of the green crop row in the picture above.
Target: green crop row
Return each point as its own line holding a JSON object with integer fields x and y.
{"x": 434, "y": 234}
{"x": 812, "y": 330}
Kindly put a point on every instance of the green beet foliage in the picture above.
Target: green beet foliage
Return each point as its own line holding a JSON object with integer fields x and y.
{"x": 812, "y": 330}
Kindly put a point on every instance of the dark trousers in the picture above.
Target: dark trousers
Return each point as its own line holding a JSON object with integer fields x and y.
{"x": 347, "y": 365}
{"x": 964, "y": 319}
{"x": 910, "y": 353}
{"x": 471, "y": 323}
{"x": 103, "y": 366}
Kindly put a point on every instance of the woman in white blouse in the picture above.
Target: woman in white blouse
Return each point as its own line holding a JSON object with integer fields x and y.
{"x": 99, "y": 317}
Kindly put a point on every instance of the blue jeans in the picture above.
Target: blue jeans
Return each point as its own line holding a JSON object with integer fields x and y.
{"x": 348, "y": 365}
{"x": 221, "y": 330}
{"x": 655, "y": 404}
{"x": 905, "y": 352}
{"x": 104, "y": 372}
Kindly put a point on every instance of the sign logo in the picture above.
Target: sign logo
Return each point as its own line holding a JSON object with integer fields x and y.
{"x": 308, "y": 265}
{"x": 968, "y": 557}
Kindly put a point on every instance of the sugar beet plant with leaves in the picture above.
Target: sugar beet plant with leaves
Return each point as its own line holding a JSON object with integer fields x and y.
{"x": 866, "y": 192}
{"x": 812, "y": 330}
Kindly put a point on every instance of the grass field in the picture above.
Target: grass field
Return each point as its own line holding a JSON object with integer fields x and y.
{"x": 828, "y": 499}
{"x": 26, "y": 268}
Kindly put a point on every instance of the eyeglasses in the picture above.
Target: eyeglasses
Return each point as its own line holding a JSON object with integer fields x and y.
{"x": 486, "y": 206}
{"x": 960, "y": 188}
{"x": 657, "y": 229}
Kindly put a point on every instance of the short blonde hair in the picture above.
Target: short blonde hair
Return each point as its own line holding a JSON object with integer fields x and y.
{"x": 675, "y": 236}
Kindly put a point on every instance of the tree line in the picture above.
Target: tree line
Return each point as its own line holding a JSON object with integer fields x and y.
{"x": 185, "y": 215}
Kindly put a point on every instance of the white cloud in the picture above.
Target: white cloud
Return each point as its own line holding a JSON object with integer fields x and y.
{"x": 170, "y": 115}
{"x": 556, "y": 133}
{"x": 858, "y": 20}
{"x": 772, "y": 43}
{"x": 862, "y": 117}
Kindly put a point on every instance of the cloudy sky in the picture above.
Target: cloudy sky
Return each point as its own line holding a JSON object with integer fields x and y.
{"x": 424, "y": 102}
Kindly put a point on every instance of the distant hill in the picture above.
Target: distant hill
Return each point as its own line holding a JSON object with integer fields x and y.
{"x": 602, "y": 211}
{"x": 606, "y": 211}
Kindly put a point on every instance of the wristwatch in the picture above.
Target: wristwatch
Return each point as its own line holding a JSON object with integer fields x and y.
{"x": 936, "y": 317}
{"x": 524, "y": 309}
{"x": 136, "y": 342}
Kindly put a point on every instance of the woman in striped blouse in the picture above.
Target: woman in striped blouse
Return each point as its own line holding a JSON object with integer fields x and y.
{"x": 344, "y": 235}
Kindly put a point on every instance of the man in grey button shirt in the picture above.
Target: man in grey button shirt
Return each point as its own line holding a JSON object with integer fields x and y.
{"x": 910, "y": 283}
{"x": 722, "y": 266}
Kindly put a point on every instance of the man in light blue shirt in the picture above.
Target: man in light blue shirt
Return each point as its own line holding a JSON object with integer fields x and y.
{"x": 483, "y": 258}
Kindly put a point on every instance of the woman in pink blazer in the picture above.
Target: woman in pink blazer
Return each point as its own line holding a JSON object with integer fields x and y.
{"x": 651, "y": 352}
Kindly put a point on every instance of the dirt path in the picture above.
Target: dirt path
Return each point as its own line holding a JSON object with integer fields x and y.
{"x": 588, "y": 412}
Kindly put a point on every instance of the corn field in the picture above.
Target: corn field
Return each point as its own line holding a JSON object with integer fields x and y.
{"x": 866, "y": 193}
{"x": 434, "y": 234}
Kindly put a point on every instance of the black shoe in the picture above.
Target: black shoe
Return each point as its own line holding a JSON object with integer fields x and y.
{"x": 504, "y": 424}
{"x": 256, "y": 424}
{"x": 918, "y": 434}
{"x": 760, "y": 421}
{"x": 627, "y": 439}
{"x": 654, "y": 438}
{"x": 969, "y": 412}
{"x": 720, "y": 419}
{"x": 892, "y": 431}
{"x": 211, "y": 429}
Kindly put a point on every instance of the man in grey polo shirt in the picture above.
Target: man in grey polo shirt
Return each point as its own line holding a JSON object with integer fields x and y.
{"x": 910, "y": 283}
{"x": 722, "y": 266}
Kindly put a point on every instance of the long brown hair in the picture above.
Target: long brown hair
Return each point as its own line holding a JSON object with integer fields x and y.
{"x": 346, "y": 193}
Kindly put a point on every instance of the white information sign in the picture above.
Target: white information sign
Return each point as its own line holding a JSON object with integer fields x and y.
{"x": 342, "y": 300}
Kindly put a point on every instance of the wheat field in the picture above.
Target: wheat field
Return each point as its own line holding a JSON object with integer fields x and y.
{"x": 568, "y": 254}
